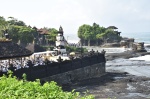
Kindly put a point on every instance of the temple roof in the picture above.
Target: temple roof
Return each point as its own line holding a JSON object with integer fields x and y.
{"x": 61, "y": 30}
{"x": 8, "y": 50}
{"x": 112, "y": 27}
{"x": 43, "y": 31}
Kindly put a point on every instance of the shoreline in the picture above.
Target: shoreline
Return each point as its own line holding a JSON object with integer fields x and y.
{"x": 125, "y": 55}
{"x": 117, "y": 52}
{"x": 116, "y": 83}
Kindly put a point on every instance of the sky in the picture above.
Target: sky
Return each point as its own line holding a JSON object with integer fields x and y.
{"x": 128, "y": 15}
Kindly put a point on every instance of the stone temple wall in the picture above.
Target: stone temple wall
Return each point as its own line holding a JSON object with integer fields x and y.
{"x": 91, "y": 71}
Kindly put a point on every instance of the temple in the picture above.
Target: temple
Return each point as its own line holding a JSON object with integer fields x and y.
{"x": 60, "y": 43}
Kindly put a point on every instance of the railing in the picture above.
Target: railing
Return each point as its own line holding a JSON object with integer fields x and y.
{"x": 41, "y": 71}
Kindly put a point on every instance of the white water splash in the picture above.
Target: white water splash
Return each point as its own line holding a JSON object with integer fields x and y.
{"x": 144, "y": 58}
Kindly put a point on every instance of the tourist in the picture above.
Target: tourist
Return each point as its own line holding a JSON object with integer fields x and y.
{"x": 11, "y": 67}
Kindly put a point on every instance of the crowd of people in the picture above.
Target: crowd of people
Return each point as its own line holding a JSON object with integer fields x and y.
{"x": 16, "y": 64}
{"x": 74, "y": 44}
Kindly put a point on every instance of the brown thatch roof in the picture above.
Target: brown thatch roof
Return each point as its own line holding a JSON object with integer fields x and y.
{"x": 8, "y": 49}
{"x": 43, "y": 31}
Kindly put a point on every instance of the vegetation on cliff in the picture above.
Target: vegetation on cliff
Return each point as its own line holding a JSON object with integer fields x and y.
{"x": 96, "y": 35}
{"x": 19, "y": 32}
{"x": 11, "y": 88}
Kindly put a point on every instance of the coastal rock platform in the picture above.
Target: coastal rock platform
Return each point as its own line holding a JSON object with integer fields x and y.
{"x": 126, "y": 55}
{"x": 124, "y": 79}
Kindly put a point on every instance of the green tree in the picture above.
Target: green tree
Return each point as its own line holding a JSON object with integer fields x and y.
{"x": 14, "y": 21}
{"x": 109, "y": 34}
{"x": 3, "y": 26}
{"x": 52, "y": 34}
{"x": 14, "y": 33}
{"x": 88, "y": 34}
{"x": 26, "y": 35}
{"x": 23, "y": 34}
{"x": 35, "y": 34}
{"x": 97, "y": 30}
{"x": 101, "y": 34}
{"x": 85, "y": 33}
{"x": 97, "y": 34}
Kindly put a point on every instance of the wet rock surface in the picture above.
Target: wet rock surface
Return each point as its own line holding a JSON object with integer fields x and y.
{"x": 125, "y": 55}
{"x": 117, "y": 83}
{"x": 115, "y": 86}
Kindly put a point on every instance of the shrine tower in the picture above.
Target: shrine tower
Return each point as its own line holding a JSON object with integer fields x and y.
{"x": 60, "y": 42}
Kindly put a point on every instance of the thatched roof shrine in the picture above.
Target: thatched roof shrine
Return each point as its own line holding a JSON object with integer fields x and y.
{"x": 8, "y": 50}
{"x": 43, "y": 31}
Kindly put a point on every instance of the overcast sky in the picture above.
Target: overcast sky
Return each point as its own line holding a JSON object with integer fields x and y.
{"x": 127, "y": 15}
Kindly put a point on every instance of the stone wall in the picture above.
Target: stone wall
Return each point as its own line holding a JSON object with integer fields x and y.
{"x": 92, "y": 71}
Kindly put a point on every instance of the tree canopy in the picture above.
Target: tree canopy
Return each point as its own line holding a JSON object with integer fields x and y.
{"x": 52, "y": 34}
{"x": 14, "y": 21}
{"x": 19, "y": 32}
{"x": 3, "y": 25}
{"x": 96, "y": 32}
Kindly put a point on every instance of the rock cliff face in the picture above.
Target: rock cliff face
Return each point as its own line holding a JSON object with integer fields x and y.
{"x": 139, "y": 47}
{"x": 127, "y": 42}
{"x": 136, "y": 46}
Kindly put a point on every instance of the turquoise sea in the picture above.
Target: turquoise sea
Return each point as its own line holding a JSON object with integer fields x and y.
{"x": 139, "y": 37}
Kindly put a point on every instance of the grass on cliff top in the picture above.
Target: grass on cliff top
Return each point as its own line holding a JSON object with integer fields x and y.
{"x": 12, "y": 88}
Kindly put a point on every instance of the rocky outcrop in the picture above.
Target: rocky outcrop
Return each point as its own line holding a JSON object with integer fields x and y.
{"x": 139, "y": 47}
{"x": 127, "y": 42}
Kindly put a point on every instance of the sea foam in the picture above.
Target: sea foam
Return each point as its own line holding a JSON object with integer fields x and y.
{"x": 145, "y": 58}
